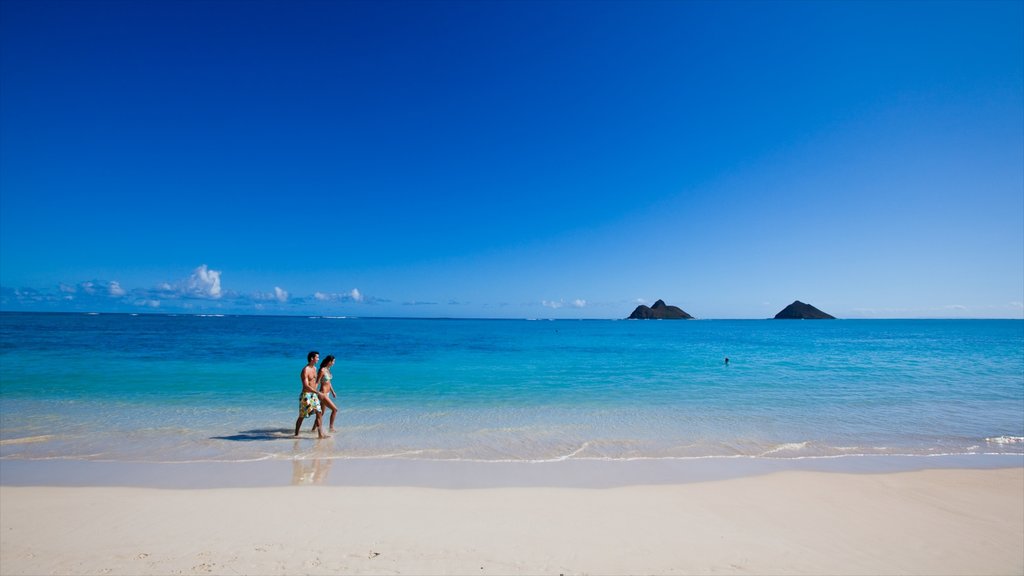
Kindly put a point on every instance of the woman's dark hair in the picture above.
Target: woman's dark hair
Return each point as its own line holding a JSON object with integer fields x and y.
{"x": 327, "y": 360}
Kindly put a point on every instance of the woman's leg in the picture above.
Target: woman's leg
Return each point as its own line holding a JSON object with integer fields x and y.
{"x": 329, "y": 403}
{"x": 326, "y": 403}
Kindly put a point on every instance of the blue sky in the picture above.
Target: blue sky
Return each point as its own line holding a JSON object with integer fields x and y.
{"x": 512, "y": 159}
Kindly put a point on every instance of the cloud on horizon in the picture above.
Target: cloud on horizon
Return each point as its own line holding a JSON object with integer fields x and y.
{"x": 280, "y": 294}
{"x": 577, "y": 303}
{"x": 1009, "y": 310}
{"x": 204, "y": 283}
{"x": 114, "y": 289}
{"x": 352, "y": 296}
{"x": 202, "y": 289}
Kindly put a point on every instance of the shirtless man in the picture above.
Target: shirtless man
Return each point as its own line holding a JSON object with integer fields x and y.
{"x": 309, "y": 398}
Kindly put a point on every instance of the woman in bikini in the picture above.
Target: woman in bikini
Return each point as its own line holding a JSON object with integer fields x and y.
{"x": 323, "y": 380}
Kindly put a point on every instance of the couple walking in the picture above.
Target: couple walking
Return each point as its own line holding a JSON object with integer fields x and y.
{"x": 316, "y": 392}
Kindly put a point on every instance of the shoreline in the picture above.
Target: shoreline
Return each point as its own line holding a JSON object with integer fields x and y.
{"x": 948, "y": 521}
{"x": 462, "y": 474}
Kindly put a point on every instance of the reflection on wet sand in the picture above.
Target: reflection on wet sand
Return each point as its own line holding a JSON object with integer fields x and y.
{"x": 310, "y": 468}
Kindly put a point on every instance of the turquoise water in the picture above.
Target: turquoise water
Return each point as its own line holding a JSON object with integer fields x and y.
{"x": 155, "y": 388}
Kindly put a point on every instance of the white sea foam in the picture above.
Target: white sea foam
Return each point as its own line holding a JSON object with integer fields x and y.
{"x": 574, "y": 452}
{"x": 788, "y": 447}
{"x": 1005, "y": 440}
{"x": 27, "y": 439}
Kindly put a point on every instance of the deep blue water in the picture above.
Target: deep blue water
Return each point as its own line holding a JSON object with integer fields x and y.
{"x": 185, "y": 388}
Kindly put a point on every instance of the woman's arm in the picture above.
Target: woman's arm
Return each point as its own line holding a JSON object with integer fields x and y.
{"x": 320, "y": 383}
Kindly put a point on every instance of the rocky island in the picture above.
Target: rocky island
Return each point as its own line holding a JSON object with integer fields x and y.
{"x": 800, "y": 311}
{"x": 660, "y": 311}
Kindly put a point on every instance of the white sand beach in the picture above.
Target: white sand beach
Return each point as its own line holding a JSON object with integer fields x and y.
{"x": 959, "y": 521}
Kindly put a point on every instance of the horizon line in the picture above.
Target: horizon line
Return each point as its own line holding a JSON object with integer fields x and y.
{"x": 524, "y": 318}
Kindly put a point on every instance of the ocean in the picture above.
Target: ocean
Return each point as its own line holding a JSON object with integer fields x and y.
{"x": 210, "y": 388}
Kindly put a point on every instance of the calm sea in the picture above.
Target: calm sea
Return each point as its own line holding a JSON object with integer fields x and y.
{"x": 166, "y": 388}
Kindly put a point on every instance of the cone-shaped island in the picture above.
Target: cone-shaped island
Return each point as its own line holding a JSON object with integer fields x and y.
{"x": 660, "y": 311}
{"x": 800, "y": 311}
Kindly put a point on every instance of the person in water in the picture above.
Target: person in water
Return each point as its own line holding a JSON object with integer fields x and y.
{"x": 309, "y": 398}
{"x": 323, "y": 379}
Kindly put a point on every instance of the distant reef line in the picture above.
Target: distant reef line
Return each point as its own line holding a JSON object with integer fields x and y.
{"x": 661, "y": 311}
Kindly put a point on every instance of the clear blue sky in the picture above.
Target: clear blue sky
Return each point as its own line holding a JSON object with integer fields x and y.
{"x": 512, "y": 159}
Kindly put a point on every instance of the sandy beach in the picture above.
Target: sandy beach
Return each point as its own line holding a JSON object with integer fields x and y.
{"x": 958, "y": 521}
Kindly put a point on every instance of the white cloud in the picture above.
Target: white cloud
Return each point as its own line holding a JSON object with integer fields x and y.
{"x": 67, "y": 289}
{"x": 29, "y": 295}
{"x": 556, "y": 304}
{"x": 149, "y": 303}
{"x": 204, "y": 283}
{"x": 88, "y": 287}
{"x": 114, "y": 289}
{"x": 946, "y": 311}
{"x": 280, "y": 295}
{"x": 353, "y": 296}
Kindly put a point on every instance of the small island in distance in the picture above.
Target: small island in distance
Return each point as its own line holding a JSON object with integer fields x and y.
{"x": 660, "y": 311}
{"x": 800, "y": 311}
